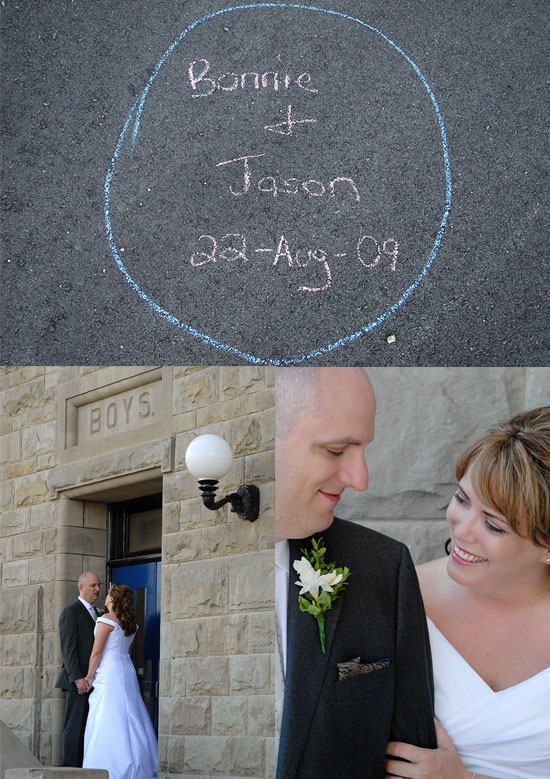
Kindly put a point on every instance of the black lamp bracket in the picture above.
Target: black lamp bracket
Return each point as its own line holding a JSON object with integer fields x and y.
{"x": 245, "y": 503}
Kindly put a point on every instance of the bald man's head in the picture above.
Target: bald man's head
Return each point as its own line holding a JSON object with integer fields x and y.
{"x": 324, "y": 420}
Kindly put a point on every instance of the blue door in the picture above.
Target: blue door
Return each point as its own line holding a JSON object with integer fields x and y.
{"x": 144, "y": 579}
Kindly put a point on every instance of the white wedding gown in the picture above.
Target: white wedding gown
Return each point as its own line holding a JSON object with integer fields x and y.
{"x": 119, "y": 734}
{"x": 505, "y": 734}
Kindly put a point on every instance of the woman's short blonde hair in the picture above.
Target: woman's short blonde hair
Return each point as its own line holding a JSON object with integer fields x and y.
{"x": 511, "y": 472}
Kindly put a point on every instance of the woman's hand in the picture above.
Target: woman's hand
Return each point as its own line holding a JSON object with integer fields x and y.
{"x": 440, "y": 763}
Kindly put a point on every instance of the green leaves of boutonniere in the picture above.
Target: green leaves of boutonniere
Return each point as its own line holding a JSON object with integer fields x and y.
{"x": 320, "y": 582}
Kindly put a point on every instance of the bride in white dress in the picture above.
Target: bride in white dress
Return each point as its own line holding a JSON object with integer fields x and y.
{"x": 488, "y": 608}
{"x": 119, "y": 735}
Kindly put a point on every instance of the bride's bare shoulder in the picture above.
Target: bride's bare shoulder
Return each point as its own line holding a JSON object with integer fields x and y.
{"x": 432, "y": 577}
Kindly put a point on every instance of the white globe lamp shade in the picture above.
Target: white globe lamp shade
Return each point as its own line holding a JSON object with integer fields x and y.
{"x": 208, "y": 457}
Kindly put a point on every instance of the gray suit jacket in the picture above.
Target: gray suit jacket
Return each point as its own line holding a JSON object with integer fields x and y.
{"x": 76, "y": 633}
{"x": 334, "y": 728}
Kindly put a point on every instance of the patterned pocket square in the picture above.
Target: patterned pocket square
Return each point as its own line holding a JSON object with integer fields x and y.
{"x": 356, "y": 668}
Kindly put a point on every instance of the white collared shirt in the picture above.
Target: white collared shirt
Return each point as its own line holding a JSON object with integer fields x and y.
{"x": 281, "y": 592}
{"x": 89, "y": 607}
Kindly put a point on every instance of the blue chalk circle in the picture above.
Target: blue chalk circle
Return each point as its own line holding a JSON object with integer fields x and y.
{"x": 129, "y": 136}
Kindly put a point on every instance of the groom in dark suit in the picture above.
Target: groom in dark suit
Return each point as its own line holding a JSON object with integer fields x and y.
{"x": 76, "y": 632}
{"x": 374, "y": 681}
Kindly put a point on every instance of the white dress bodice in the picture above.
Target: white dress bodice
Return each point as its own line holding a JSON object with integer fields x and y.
{"x": 505, "y": 734}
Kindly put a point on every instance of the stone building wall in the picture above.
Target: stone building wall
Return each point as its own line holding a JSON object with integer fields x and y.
{"x": 425, "y": 418}
{"x": 73, "y": 440}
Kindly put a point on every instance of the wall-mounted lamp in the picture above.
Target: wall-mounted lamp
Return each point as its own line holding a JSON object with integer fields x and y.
{"x": 208, "y": 458}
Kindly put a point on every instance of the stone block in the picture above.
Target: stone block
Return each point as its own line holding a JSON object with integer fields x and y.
{"x": 45, "y": 461}
{"x": 6, "y": 496}
{"x": 21, "y": 374}
{"x": 95, "y": 515}
{"x": 248, "y": 756}
{"x": 15, "y": 522}
{"x": 29, "y": 490}
{"x": 261, "y": 715}
{"x": 251, "y": 585}
{"x": 271, "y": 755}
{"x": 195, "y": 390}
{"x": 424, "y": 538}
{"x": 229, "y": 716}
{"x": 166, "y": 591}
{"x": 43, "y": 515}
{"x": 19, "y": 399}
{"x": 20, "y": 469}
{"x": 6, "y": 549}
{"x": 181, "y": 547}
{"x": 178, "y": 486}
{"x": 167, "y": 670}
{"x": 226, "y": 635}
{"x": 83, "y": 540}
{"x": 171, "y": 517}
{"x": 68, "y": 568}
{"x": 210, "y": 755}
{"x": 261, "y": 632}
{"x": 175, "y": 751}
{"x": 266, "y": 538}
{"x": 15, "y": 574}
{"x": 247, "y": 435}
{"x": 33, "y": 544}
{"x": 260, "y": 467}
{"x": 188, "y": 638}
{"x": 236, "y": 408}
{"x": 184, "y": 423}
{"x": 200, "y": 591}
{"x": 192, "y": 716}
{"x": 10, "y": 448}
{"x": 16, "y": 713}
{"x": 193, "y": 514}
{"x": 176, "y": 687}
{"x": 230, "y": 539}
{"x": 12, "y": 683}
{"x": 206, "y": 676}
{"x": 38, "y": 439}
{"x": 18, "y": 612}
{"x": 235, "y": 381}
{"x": 250, "y": 674}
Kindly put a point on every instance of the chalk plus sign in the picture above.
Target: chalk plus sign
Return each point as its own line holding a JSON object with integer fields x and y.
{"x": 288, "y": 125}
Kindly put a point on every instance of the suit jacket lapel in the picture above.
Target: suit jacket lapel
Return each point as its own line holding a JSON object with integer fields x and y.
{"x": 305, "y": 670}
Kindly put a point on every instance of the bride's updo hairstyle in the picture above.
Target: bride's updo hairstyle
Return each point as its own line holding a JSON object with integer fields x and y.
{"x": 123, "y": 606}
{"x": 511, "y": 472}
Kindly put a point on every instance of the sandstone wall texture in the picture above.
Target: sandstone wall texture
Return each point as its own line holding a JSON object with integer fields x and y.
{"x": 425, "y": 419}
{"x": 72, "y": 440}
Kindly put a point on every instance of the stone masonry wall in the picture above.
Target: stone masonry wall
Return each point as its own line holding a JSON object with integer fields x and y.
{"x": 425, "y": 418}
{"x": 217, "y": 589}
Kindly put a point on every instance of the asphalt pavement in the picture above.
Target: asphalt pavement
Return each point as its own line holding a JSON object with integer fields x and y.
{"x": 275, "y": 183}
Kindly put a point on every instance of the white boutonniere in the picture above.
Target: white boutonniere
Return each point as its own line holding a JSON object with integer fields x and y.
{"x": 99, "y": 612}
{"x": 320, "y": 582}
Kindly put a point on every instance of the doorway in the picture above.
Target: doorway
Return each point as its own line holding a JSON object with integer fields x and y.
{"x": 134, "y": 547}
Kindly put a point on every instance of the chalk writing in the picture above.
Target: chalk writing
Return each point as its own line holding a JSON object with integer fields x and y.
{"x": 204, "y": 85}
{"x": 248, "y": 175}
{"x": 233, "y": 246}
{"x": 290, "y": 186}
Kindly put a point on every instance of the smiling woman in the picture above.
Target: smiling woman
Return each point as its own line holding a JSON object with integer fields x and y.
{"x": 488, "y": 608}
